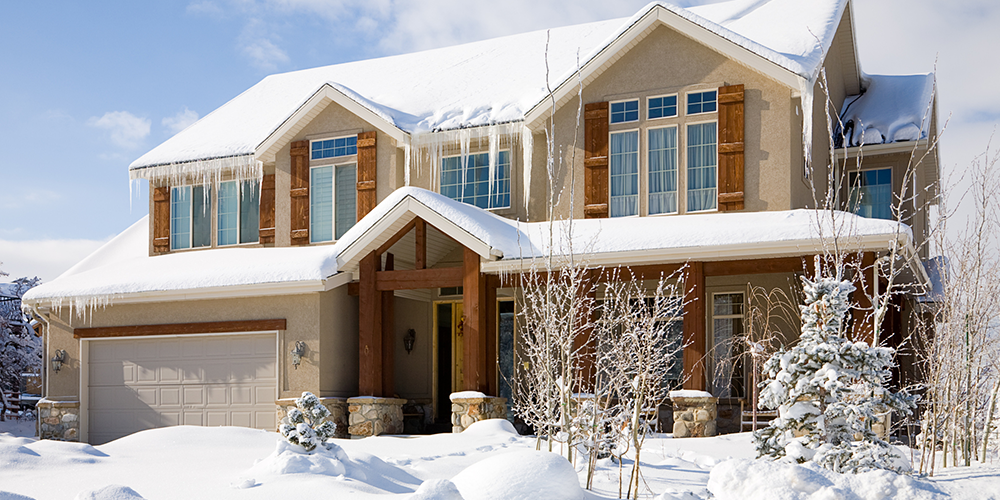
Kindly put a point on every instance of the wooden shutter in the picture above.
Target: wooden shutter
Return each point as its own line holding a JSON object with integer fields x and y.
{"x": 731, "y": 148}
{"x": 300, "y": 193}
{"x": 267, "y": 209}
{"x": 161, "y": 219}
{"x": 595, "y": 160}
{"x": 367, "y": 170}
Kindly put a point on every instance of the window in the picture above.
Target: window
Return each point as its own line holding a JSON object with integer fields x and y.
{"x": 239, "y": 213}
{"x": 476, "y": 184}
{"x": 662, "y": 107}
{"x": 701, "y": 167}
{"x": 871, "y": 193}
{"x": 332, "y": 148}
{"x": 190, "y": 217}
{"x": 625, "y": 111}
{"x": 624, "y": 181}
{"x": 701, "y": 102}
{"x": 662, "y": 170}
{"x": 332, "y": 201}
{"x": 727, "y": 349}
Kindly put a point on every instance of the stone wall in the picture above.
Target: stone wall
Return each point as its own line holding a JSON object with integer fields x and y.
{"x": 58, "y": 420}
{"x": 370, "y": 416}
{"x": 694, "y": 416}
{"x": 337, "y": 407}
{"x": 467, "y": 411}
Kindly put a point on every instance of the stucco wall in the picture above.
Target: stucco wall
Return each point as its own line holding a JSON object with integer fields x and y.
{"x": 666, "y": 62}
{"x": 339, "y": 344}
{"x": 414, "y": 371}
{"x": 302, "y": 313}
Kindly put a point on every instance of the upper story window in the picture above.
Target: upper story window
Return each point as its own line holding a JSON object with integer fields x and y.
{"x": 662, "y": 170}
{"x": 238, "y": 219}
{"x": 702, "y": 161}
{"x": 333, "y": 201}
{"x": 625, "y": 111}
{"x": 623, "y": 162}
{"x": 190, "y": 217}
{"x": 871, "y": 193}
{"x": 661, "y": 107}
{"x": 474, "y": 183}
{"x": 701, "y": 102}
{"x": 333, "y": 148}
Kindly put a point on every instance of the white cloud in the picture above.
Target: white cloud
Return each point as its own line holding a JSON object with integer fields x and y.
{"x": 180, "y": 121}
{"x": 258, "y": 46}
{"x": 204, "y": 7}
{"x": 127, "y": 130}
{"x": 46, "y": 259}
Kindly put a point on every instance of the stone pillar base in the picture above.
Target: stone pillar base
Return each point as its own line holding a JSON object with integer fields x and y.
{"x": 371, "y": 416}
{"x": 694, "y": 414}
{"x": 58, "y": 420}
{"x": 337, "y": 407}
{"x": 466, "y": 411}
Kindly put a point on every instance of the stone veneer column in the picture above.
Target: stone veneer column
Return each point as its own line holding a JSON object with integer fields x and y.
{"x": 470, "y": 407}
{"x": 337, "y": 407}
{"x": 372, "y": 416}
{"x": 58, "y": 420}
{"x": 694, "y": 413}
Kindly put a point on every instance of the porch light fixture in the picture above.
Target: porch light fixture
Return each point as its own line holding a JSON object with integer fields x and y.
{"x": 409, "y": 339}
{"x": 58, "y": 360}
{"x": 297, "y": 352}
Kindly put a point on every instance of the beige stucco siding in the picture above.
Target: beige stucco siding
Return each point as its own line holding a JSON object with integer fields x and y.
{"x": 413, "y": 371}
{"x": 666, "y": 62}
{"x": 302, "y": 313}
{"x": 338, "y": 357}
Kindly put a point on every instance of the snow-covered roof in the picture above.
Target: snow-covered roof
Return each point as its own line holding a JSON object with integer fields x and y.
{"x": 893, "y": 108}
{"x": 486, "y": 82}
{"x": 122, "y": 267}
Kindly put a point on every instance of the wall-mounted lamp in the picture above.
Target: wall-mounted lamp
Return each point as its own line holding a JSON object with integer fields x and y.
{"x": 409, "y": 339}
{"x": 58, "y": 360}
{"x": 297, "y": 352}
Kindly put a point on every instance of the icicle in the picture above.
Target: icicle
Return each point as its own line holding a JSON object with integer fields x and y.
{"x": 806, "y": 89}
{"x": 494, "y": 158}
{"x": 205, "y": 172}
{"x": 406, "y": 164}
{"x": 527, "y": 144}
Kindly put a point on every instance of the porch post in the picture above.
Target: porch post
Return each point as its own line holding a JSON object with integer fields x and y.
{"x": 864, "y": 328}
{"x": 369, "y": 328}
{"x": 474, "y": 305}
{"x": 694, "y": 327}
{"x": 388, "y": 334}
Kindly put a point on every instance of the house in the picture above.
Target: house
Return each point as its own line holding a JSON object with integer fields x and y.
{"x": 347, "y": 230}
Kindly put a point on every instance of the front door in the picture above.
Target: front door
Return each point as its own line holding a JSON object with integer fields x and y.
{"x": 450, "y": 352}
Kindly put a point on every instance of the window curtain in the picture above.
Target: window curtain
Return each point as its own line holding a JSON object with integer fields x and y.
{"x": 624, "y": 171}
{"x": 663, "y": 171}
{"x": 346, "y": 198}
{"x": 321, "y": 204}
{"x": 701, "y": 172}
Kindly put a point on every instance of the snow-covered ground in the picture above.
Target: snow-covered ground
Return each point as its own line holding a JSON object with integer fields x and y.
{"x": 230, "y": 462}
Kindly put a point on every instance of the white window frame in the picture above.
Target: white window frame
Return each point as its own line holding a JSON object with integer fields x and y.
{"x": 711, "y": 319}
{"x": 211, "y": 221}
{"x": 687, "y": 95}
{"x": 676, "y": 114}
{"x": 686, "y": 173}
{"x": 860, "y": 172}
{"x": 510, "y": 178}
{"x": 345, "y": 161}
{"x": 331, "y": 158}
{"x": 639, "y": 168}
{"x": 638, "y": 112}
{"x": 644, "y": 191}
{"x": 239, "y": 206}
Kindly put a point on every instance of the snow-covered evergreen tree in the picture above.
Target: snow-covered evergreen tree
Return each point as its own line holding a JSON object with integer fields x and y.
{"x": 20, "y": 348}
{"x": 829, "y": 390}
{"x": 306, "y": 424}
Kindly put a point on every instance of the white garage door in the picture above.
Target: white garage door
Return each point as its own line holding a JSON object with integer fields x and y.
{"x": 203, "y": 380}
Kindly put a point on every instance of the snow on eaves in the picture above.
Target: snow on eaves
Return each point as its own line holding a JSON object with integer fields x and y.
{"x": 893, "y": 108}
{"x": 122, "y": 267}
{"x": 487, "y": 82}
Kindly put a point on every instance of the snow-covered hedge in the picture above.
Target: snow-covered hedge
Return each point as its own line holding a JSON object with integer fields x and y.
{"x": 306, "y": 424}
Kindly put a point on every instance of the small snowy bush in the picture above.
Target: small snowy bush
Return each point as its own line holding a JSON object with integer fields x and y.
{"x": 306, "y": 424}
{"x": 829, "y": 391}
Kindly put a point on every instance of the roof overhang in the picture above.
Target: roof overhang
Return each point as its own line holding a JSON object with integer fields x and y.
{"x": 316, "y": 103}
{"x": 394, "y": 220}
{"x": 656, "y": 16}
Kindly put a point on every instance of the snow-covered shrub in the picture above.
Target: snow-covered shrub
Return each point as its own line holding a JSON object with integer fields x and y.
{"x": 829, "y": 390}
{"x": 306, "y": 424}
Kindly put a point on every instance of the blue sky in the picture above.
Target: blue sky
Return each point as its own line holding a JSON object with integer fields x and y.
{"x": 90, "y": 86}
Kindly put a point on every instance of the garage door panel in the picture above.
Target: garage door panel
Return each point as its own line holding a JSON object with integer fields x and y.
{"x": 139, "y": 384}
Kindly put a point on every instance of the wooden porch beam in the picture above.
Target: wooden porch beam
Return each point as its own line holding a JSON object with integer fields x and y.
{"x": 694, "y": 327}
{"x": 421, "y": 237}
{"x": 396, "y": 237}
{"x": 757, "y": 266}
{"x": 418, "y": 278}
